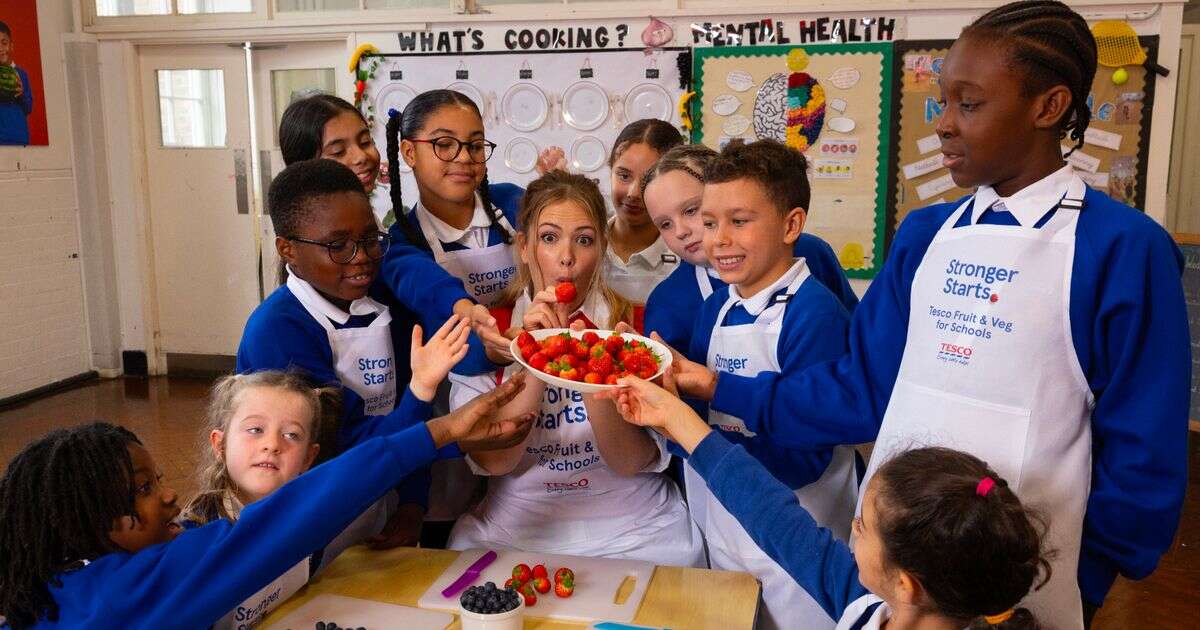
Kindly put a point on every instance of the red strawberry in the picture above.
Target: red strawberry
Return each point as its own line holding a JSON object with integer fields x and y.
{"x": 569, "y": 374}
{"x": 525, "y": 339}
{"x": 614, "y": 343}
{"x": 564, "y": 588}
{"x": 593, "y": 378}
{"x": 521, "y": 573}
{"x": 539, "y": 360}
{"x": 565, "y": 292}
{"x": 541, "y": 584}
{"x": 611, "y": 379}
{"x": 513, "y": 583}
{"x": 646, "y": 373}
{"x": 602, "y": 365}
{"x": 563, "y": 574}
{"x": 527, "y": 352}
{"x": 581, "y": 350}
{"x": 569, "y": 360}
{"x": 528, "y": 593}
{"x": 539, "y": 571}
{"x": 635, "y": 343}
{"x": 597, "y": 350}
{"x": 590, "y": 338}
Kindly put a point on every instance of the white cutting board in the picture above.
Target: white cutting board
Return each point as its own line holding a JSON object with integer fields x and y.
{"x": 354, "y": 612}
{"x": 596, "y": 584}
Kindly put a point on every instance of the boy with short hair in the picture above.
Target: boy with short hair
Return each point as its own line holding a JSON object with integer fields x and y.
{"x": 774, "y": 316}
{"x": 16, "y": 99}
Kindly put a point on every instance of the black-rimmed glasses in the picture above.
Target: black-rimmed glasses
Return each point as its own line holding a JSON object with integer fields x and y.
{"x": 447, "y": 148}
{"x": 342, "y": 251}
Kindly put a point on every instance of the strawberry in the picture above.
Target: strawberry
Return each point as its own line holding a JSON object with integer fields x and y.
{"x": 564, "y": 588}
{"x": 611, "y": 379}
{"x": 569, "y": 374}
{"x": 521, "y": 573}
{"x": 564, "y": 574}
{"x": 539, "y": 360}
{"x": 569, "y": 360}
{"x": 515, "y": 584}
{"x": 647, "y": 373}
{"x": 565, "y": 292}
{"x": 614, "y": 343}
{"x": 528, "y": 593}
{"x": 590, "y": 338}
{"x": 525, "y": 339}
{"x": 541, "y": 585}
{"x": 539, "y": 571}
{"x": 635, "y": 343}
{"x": 581, "y": 350}
{"x": 602, "y": 365}
{"x": 593, "y": 378}
{"x": 597, "y": 350}
{"x": 527, "y": 352}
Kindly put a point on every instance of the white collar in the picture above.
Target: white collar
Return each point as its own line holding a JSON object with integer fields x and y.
{"x": 757, "y": 303}
{"x": 654, "y": 256}
{"x": 1031, "y": 202}
{"x": 308, "y": 295}
{"x": 447, "y": 233}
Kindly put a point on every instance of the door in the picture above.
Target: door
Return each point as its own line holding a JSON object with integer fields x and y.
{"x": 282, "y": 74}
{"x": 197, "y": 139}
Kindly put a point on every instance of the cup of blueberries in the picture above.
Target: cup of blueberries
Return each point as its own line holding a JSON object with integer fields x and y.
{"x": 490, "y": 608}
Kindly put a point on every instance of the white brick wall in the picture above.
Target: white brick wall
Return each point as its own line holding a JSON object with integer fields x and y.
{"x": 43, "y": 326}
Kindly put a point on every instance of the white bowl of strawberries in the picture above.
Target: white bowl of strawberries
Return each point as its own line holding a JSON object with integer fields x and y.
{"x": 589, "y": 361}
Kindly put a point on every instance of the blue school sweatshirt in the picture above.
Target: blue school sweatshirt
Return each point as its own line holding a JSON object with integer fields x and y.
{"x": 819, "y": 563}
{"x": 193, "y": 580}
{"x": 672, "y": 305}
{"x": 814, "y": 330}
{"x": 1130, "y": 331}
{"x": 14, "y": 121}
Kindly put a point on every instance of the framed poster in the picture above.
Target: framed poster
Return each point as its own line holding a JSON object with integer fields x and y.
{"x": 839, "y": 114}
{"x": 22, "y": 97}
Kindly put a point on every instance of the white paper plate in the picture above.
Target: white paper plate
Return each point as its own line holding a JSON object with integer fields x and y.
{"x": 588, "y": 153}
{"x": 664, "y": 356}
{"x": 471, "y": 92}
{"x": 521, "y": 155}
{"x": 585, "y": 105}
{"x": 525, "y": 107}
{"x": 392, "y": 96}
{"x": 648, "y": 100}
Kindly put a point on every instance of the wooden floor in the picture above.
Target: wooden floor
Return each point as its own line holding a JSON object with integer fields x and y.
{"x": 167, "y": 414}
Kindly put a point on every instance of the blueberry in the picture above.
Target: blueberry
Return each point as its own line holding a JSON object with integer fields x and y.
{"x": 320, "y": 625}
{"x": 491, "y": 586}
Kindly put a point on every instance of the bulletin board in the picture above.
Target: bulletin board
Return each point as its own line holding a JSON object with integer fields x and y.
{"x": 1113, "y": 158}
{"x": 742, "y": 92}
{"x": 531, "y": 100}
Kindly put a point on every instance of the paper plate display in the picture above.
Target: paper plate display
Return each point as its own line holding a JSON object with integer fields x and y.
{"x": 525, "y": 107}
{"x": 726, "y": 104}
{"x": 845, "y": 78}
{"x": 661, "y": 353}
{"x": 588, "y": 153}
{"x": 471, "y": 92}
{"x": 770, "y": 109}
{"x": 735, "y": 125}
{"x": 648, "y": 100}
{"x": 521, "y": 155}
{"x": 838, "y": 105}
{"x": 393, "y": 96}
{"x": 841, "y": 124}
{"x": 585, "y": 105}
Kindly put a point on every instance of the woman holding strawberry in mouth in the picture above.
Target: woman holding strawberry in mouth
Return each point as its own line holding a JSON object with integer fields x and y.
{"x": 582, "y": 482}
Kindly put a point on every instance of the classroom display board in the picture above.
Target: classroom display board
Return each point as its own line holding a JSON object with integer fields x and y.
{"x": 1190, "y": 245}
{"x": 1112, "y": 159}
{"x": 530, "y": 101}
{"x": 831, "y": 101}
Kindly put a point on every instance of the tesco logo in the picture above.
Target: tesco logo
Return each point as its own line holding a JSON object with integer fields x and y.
{"x": 582, "y": 483}
{"x": 962, "y": 351}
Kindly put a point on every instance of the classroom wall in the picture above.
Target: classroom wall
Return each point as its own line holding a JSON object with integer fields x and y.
{"x": 44, "y": 334}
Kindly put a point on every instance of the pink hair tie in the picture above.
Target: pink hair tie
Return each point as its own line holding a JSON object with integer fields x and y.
{"x": 985, "y": 486}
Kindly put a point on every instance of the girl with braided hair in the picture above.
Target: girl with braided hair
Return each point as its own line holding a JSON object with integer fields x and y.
{"x": 1036, "y": 324}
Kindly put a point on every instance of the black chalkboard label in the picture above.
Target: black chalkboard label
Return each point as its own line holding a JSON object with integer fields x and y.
{"x": 525, "y": 73}
{"x": 1191, "y": 294}
{"x": 586, "y": 73}
{"x": 651, "y": 73}
{"x": 462, "y": 75}
{"x": 396, "y": 75}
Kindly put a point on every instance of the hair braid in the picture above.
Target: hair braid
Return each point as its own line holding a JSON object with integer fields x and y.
{"x": 404, "y": 221}
{"x": 494, "y": 213}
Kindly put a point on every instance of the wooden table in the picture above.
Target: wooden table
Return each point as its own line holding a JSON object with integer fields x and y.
{"x": 676, "y": 598}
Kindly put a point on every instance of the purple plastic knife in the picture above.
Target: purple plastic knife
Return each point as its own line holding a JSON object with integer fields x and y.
{"x": 470, "y": 575}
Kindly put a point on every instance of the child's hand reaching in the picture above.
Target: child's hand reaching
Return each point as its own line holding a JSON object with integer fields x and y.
{"x": 475, "y": 425}
{"x": 645, "y": 404}
{"x": 690, "y": 378}
{"x": 432, "y": 361}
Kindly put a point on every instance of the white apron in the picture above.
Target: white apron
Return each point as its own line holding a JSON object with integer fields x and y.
{"x": 364, "y": 358}
{"x": 485, "y": 271}
{"x": 268, "y": 598}
{"x": 1000, "y": 379}
{"x": 830, "y": 499}
{"x": 563, "y": 498}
